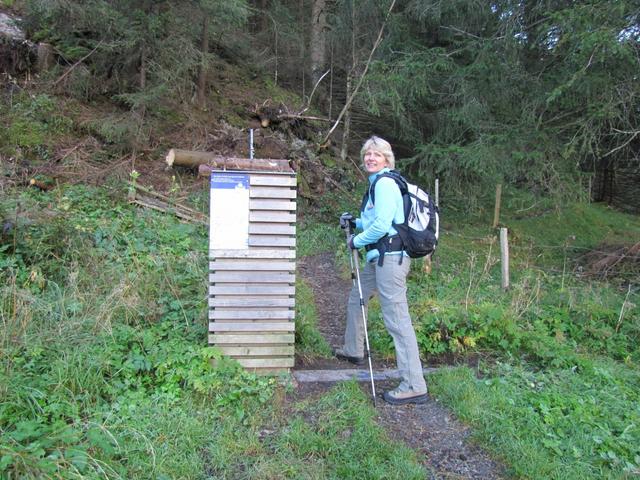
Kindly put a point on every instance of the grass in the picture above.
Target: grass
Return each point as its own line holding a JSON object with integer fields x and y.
{"x": 104, "y": 369}
{"x": 571, "y": 423}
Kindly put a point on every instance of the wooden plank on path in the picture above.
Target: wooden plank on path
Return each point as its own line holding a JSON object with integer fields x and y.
{"x": 361, "y": 375}
{"x": 249, "y": 289}
{"x": 253, "y": 253}
{"x": 251, "y": 302}
{"x": 252, "y": 265}
{"x": 261, "y": 339}
{"x": 251, "y": 277}
{"x": 246, "y": 314}
{"x": 251, "y": 327}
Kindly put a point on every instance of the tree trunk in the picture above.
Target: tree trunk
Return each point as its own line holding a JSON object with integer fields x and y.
{"x": 209, "y": 160}
{"x": 143, "y": 67}
{"x": 318, "y": 39}
{"x": 202, "y": 76}
{"x": 346, "y": 130}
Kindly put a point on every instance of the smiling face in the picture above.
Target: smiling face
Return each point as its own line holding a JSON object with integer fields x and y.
{"x": 374, "y": 161}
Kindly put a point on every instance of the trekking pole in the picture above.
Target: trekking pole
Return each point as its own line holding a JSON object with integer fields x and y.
{"x": 355, "y": 268}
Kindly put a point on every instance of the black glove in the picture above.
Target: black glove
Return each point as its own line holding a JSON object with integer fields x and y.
{"x": 350, "y": 242}
{"x": 346, "y": 220}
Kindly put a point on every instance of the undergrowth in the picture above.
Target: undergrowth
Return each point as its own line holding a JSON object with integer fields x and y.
{"x": 105, "y": 371}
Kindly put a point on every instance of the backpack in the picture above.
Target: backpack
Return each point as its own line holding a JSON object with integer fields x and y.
{"x": 421, "y": 228}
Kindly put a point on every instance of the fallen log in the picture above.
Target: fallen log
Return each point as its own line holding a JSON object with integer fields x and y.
{"x": 193, "y": 159}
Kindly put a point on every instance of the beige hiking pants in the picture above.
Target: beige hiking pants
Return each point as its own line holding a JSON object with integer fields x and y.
{"x": 389, "y": 281}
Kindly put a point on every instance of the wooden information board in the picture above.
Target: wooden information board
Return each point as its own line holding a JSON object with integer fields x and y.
{"x": 252, "y": 267}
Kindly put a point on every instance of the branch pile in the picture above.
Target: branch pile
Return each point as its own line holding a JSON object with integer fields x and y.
{"x": 147, "y": 198}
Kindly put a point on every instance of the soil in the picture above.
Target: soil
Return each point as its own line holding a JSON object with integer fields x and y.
{"x": 443, "y": 443}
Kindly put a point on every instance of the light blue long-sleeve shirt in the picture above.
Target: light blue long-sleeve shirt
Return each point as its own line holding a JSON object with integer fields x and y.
{"x": 376, "y": 220}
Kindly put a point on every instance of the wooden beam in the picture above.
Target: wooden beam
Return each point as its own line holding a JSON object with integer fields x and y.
{"x": 205, "y": 162}
{"x": 246, "y": 327}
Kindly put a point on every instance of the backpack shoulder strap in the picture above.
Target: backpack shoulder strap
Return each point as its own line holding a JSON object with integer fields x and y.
{"x": 395, "y": 175}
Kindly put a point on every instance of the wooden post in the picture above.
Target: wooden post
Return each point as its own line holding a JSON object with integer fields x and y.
{"x": 504, "y": 258}
{"x": 437, "y": 192}
{"x": 496, "y": 212}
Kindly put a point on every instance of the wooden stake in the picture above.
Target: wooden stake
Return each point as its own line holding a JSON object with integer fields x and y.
{"x": 496, "y": 212}
{"x": 504, "y": 258}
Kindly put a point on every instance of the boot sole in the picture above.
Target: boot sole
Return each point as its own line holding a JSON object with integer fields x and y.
{"x": 418, "y": 399}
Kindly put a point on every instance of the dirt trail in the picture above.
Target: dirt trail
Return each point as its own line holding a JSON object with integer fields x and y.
{"x": 430, "y": 429}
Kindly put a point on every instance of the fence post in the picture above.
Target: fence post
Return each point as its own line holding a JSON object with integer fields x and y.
{"x": 504, "y": 258}
{"x": 426, "y": 263}
{"x": 496, "y": 211}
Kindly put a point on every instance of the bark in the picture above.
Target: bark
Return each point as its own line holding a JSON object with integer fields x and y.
{"x": 318, "y": 39}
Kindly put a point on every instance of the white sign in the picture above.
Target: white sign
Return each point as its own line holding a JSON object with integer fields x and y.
{"x": 229, "y": 207}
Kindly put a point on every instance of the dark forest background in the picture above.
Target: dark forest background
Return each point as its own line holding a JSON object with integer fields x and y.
{"x": 539, "y": 94}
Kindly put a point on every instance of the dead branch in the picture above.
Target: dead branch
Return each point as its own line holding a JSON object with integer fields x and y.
{"x": 72, "y": 67}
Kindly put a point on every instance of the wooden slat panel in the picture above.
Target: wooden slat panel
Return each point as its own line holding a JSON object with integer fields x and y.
{"x": 265, "y": 362}
{"x": 253, "y": 253}
{"x": 272, "y": 228}
{"x": 252, "y": 265}
{"x": 272, "y": 192}
{"x": 263, "y": 204}
{"x": 244, "y": 289}
{"x": 252, "y": 351}
{"x": 251, "y": 327}
{"x": 261, "y": 339}
{"x": 271, "y": 216}
{"x": 251, "y": 277}
{"x": 272, "y": 180}
{"x": 247, "y": 314}
{"x": 271, "y": 241}
{"x": 251, "y": 302}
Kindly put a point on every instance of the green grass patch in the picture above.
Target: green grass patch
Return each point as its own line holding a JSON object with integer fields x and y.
{"x": 572, "y": 423}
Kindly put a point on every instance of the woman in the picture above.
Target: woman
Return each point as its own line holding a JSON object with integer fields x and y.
{"x": 385, "y": 272}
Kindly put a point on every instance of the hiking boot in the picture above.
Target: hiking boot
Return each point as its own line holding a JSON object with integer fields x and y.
{"x": 403, "y": 397}
{"x": 340, "y": 355}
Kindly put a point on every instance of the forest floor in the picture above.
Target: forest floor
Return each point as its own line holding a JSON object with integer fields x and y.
{"x": 443, "y": 444}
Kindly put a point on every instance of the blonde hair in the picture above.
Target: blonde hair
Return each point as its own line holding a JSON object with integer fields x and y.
{"x": 379, "y": 145}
